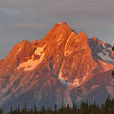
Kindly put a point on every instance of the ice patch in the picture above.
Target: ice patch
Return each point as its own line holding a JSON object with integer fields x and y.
{"x": 62, "y": 80}
{"x": 31, "y": 64}
{"x": 39, "y": 50}
{"x": 105, "y": 57}
{"x": 65, "y": 82}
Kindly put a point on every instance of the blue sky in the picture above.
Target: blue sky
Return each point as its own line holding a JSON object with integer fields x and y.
{"x": 32, "y": 19}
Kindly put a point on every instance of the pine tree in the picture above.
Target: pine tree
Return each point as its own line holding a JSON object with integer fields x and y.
{"x": 113, "y": 71}
{"x": 84, "y": 108}
{"x": 35, "y": 109}
{"x": 24, "y": 109}
{"x": 55, "y": 108}
{"x": 1, "y": 111}
{"x": 113, "y": 48}
{"x": 43, "y": 109}
{"x": 11, "y": 110}
{"x": 18, "y": 110}
{"x": 31, "y": 110}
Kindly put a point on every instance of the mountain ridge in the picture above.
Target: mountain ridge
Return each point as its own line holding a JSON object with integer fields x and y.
{"x": 52, "y": 70}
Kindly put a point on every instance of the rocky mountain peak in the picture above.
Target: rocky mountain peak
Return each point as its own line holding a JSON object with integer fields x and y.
{"x": 59, "y": 33}
{"x": 61, "y": 68}
{"x": 21, "y": 50}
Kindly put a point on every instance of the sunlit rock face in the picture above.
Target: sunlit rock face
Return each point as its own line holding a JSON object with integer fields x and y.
{"x": 60, "y": 68}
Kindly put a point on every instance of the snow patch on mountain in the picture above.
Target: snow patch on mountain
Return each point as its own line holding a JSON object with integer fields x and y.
{"x": 62, "y": 80}
{"x": 39, "y": 50}
{"x": 65, "y": 82}
{"x": 105, "y": 56}
{"x": 31, "y": 64}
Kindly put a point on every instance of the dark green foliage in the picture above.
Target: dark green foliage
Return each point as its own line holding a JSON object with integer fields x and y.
{"x": 113, "y": 74}
{"x": 85, "y": 108}
{"x": 109, "y": 106}
{"x": 113, "y": 48}
{"x": 1, "y": 111}
{"x": 24, "y": 110}
{"x": 35, "y": 109}
{"x": 18, "y": 110}
{"x": 113, "y": 71}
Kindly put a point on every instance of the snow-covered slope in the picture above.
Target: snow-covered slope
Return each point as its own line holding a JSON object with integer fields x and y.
{"x": 101, "y": 50}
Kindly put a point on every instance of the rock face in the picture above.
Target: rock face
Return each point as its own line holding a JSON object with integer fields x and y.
{"x": 101, "y": 50}
{"x": 61, "y": 68}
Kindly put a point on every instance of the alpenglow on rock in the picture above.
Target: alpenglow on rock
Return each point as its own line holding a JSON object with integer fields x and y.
{"x": 61, "y": 68}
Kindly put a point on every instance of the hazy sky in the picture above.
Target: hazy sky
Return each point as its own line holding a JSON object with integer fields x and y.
{"x": 32, "y": 19}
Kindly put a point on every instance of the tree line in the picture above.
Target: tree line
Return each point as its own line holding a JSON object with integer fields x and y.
{"x": 85, "y": 108}
{"x": 113, "y": 71}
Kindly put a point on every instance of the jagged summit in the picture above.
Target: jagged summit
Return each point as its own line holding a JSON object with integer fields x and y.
{"x": 62, "y": 24}
{"x": 51, "y": 70}
{"x": 60, "y": 40}
{"x": 97, "y": 40}
{"x": 101, "y": 50}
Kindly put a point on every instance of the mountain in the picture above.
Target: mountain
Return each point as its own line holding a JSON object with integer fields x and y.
{"x": 63, "y": 67}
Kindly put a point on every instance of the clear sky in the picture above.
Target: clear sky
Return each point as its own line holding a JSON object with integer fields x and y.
{"x": 32, "y": 19}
